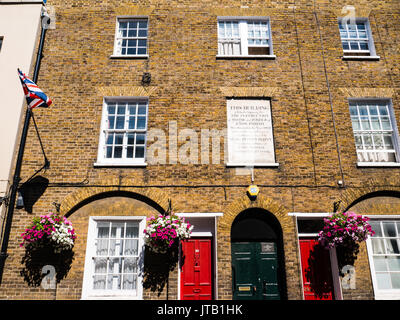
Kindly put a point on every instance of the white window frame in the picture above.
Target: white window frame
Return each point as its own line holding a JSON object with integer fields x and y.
{"x": 117, "y": 52}
{"x": 87, "y": 292}
{"x": 359, "y": 54}
{"x": 101, "y": 155}
{"x": 395, "y": 133}
{"x": 380, "y": 294}
{"x": 243, "y": 36}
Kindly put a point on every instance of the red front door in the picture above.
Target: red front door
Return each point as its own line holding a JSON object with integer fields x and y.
{"x": 196, "y": 271}
{"x": 316, "y": 270}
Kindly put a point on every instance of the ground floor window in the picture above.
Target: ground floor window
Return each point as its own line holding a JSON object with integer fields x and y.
{"x": 384, "y": 256}
{"x": 114, "y": 257}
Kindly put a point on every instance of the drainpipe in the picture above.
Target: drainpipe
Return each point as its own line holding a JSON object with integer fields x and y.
{"x": 18, "y": 165}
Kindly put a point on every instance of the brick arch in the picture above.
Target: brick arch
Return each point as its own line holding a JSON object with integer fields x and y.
{"x": 372, "y": 189}
{"x": 155, "y": 198}
{"x": 244, "y": 203}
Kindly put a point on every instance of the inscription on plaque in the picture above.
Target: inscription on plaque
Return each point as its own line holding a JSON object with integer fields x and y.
{"x": 250, "y": 138}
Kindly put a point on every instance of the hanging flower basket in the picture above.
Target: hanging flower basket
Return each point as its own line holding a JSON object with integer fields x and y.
{"x": 163, "y": 232}
{"x": 49, "y": 229}
{"x": 345, "y": 229}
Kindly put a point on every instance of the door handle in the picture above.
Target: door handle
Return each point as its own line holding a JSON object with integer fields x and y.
{"x": 196, "y": 290}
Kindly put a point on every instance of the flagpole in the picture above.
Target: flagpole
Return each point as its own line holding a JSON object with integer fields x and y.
{"x": 18, "y": 165}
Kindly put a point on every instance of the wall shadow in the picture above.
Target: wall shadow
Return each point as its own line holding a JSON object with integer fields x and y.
{"x": 157, "y": 268}
{"x": 38, "y": 259}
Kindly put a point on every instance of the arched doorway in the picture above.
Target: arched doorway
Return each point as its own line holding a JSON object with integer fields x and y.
{"x": 258, "y": 271}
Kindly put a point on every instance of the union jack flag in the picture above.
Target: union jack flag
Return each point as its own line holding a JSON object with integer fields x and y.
{"x": 34, "y": 96}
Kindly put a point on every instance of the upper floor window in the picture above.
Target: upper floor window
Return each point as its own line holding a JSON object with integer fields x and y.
{"x": 123, "y": 132}
{"x": 375, "y": 131}
{"x": 131, "y": 37}
{"x": 356, "y": 38}
{"x": 238, "y": 37}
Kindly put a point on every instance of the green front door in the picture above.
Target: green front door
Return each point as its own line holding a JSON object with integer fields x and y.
{"x": 255, "y": 271}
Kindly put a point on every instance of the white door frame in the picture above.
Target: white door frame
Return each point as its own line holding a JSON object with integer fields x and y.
{"x": 209, "y": 230}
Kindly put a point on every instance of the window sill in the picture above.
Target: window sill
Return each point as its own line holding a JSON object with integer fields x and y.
{"x": 267, "y": 164}
{"x": 265, "y": 57}
{"x": 122, "y": 164}
{"x": 376, "y": 58}
{"x": 378, "y": 164}
{"x": 142, "y": 56}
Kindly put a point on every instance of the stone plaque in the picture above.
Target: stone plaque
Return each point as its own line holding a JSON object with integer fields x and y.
{"x": 250, "y": 138}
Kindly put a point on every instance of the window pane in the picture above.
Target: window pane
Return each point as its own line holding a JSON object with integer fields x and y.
{"x": 394, "y": 263}
{"x": 373, "y": 111}
{"x": 395, "y": 277}
{"x": 100, "y": 265}
{"x": 142, "y": 109}
{"x": 356, "y": 124}
{"x": 118, "y": 152}
{"x": 389, "y": 229}
{"x": 141, "y": 122}
{"x": 103, "y": 230}
{"x": 132, "y": 109}
{"x": 142, "y": 33}
{"x": 119, "y": 138}
{"x": 110, "y": 138}
{"x": 131, "y": 124}
{"x": 109, "y": 152}
{"x": 386, "y": 123}
{"x": 131, "y": 247}
{"x": 383, "y": 110}
{"x": 139, "y": 152}
{"x": 111, "y": 108}
{"x": 114, "y": 282}
{"x": 102, "y": 247}
{"x": 383, "y": 280}
{"x": 392, "y": 246}
{"x": 380, "y": 264}
{"x": 120, "y": 122}
{"x": 377, "y": 246}
{"x": 140, "y": 139}
{"x": 132, "y": 230}
{"x": 376, "y": 226}
{"x": 116, "y": 247}
{"x": 131, "y": 139}
{"x": 358, "y": 140}
{"x": 367, "y": 142}
{"x": 353, "y": 110}
{"x": 129, "y": 152}
{"x": 345, "y": 45}
{"x": 142, "y": 24}
{"x": 388, "y": 141}
{"x": 99, "y": 282}
{"x": 129, "y": 282}
{"x": 378, "y": 142}
{"x": 363, "y": 110}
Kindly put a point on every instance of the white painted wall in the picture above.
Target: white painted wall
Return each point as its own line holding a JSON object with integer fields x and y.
{"x": 20, "y": 29}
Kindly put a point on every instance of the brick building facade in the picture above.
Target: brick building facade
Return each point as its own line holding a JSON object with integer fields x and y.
{"x": 315, "y": 88}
